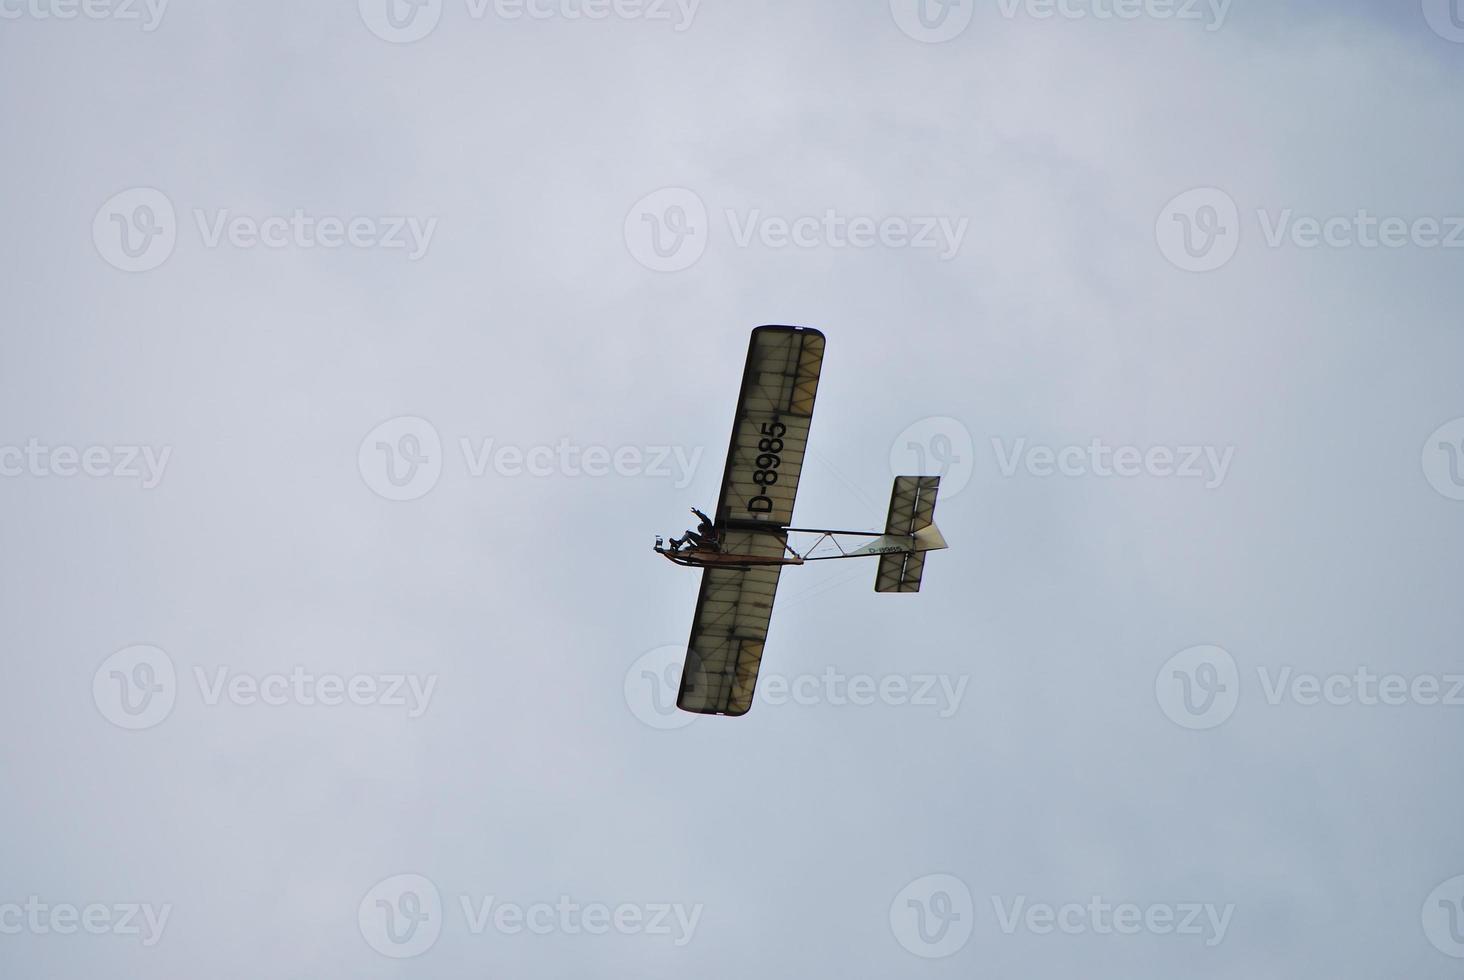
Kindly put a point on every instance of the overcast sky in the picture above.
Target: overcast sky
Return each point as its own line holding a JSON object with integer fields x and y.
{"x": 351, "y": 357}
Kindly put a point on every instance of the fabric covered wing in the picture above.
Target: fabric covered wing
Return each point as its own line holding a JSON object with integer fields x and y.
{"x": 730, "y": 627}
{"x": 912, "y": 508}
{"x": 912, "y": 504}
{"x": 770, "y": 434}
{"x": 900, "y": 572}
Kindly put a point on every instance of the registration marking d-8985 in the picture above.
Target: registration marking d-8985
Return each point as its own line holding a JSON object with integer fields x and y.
{"x": 769, "y": 459}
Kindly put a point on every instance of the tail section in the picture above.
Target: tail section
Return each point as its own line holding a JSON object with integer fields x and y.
{"x": 911, "y": 528}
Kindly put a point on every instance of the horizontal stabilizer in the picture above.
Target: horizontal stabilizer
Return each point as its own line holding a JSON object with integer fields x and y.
{"x": 911, "y": 520}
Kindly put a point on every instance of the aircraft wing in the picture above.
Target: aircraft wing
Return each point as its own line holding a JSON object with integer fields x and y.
{"x": 730, "y": 627}
{"x": 770, "y": 433}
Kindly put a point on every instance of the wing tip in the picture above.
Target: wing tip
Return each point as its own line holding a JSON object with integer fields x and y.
{"x": 731, "y": 711}
{"x": 785, "y": 328}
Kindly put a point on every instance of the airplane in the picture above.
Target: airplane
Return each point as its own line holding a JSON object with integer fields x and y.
{"x": 743, "y": 547}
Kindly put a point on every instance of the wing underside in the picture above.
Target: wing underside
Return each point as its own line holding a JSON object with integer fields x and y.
{"x": 730, "y": 628}
{"x": 770, "y": 433}
{"x": 759, "y": 486}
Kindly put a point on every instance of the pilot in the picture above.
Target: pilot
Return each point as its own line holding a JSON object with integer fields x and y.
{"x": 705, "y": 534}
